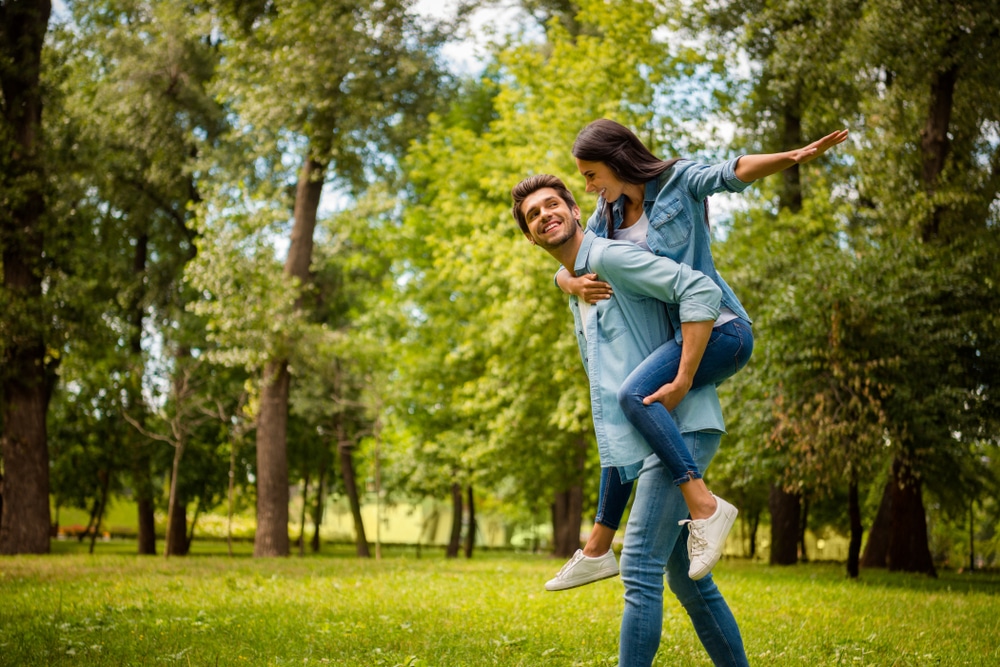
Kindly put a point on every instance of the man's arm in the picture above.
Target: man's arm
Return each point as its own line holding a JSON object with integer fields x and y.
{"x": 697, "y": 296}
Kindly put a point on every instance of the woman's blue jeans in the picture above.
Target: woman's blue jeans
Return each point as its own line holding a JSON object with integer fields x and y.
{"x": 728, "y": 350}
{"x": 655, "y": 544}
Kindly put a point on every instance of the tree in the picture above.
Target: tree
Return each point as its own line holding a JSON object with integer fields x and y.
{"x": 353, "y": 107}
{"x": 135, "y": 91}
{"x": 27, "y": 375}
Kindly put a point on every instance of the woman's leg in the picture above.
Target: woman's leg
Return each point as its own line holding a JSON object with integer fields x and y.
{"x": 728, "y": 350}
{"x": 611, "y": 502}
{"x": 596, "y": 561}
{"x": 711, "y": 517}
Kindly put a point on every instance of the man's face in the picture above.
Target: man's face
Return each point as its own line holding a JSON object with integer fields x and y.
{"x": 600, "y": 179}
{"x": 551, "y": 222}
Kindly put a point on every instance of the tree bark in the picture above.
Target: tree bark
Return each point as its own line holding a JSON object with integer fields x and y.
{"x": 24, "y": 377}
{"x": 105, "y": 476}
{"x": 271, "y": 538}
{"x": 854, "y": 545}
{"x": 876, "y": 553}
{"x": 908, "y": 545}
{"x": 791, "y": 178}
{"x": 567, "y": 518}
{"x": 784, "y": 509}
{"x": 345, "y": 450}
{"x": 470, "y": 533}
{"x": 142, "y": 482}
{"x": 320, "y": 499}
{"x": 934, "y": 142}
{"x": 302, "y": 516}
{"x": 272, "y": 445}
{"x": 176, "y": 538}
{"x": 455, "y": 540}
{"x": 754, "y": 524}
{"x": 803, "y": 526}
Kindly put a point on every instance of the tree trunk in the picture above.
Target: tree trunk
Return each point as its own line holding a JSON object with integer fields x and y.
{"x": 302, "y": 516}
{"x": 105, "y": 476}
{"x": 854, "y": 546}
{"x": 567, "y": 508}
{"x": 320, "y": 499}
{"x": 176, "y": 539}
{"x": 934, "y": 142}
{"x": 142, "y": 483}
{"x": 24, "y": 377}
{"x": 876, "y": 553}
{"x": 455, "y": 541}
{"x": 567, "y": 518}
{"x": 351, "y": 489}
{"x": 189, "y": 538}
{"x": 791, "y": 178}
{"x": 176, "y": 511}
{"x": 784, "y": 509}
{"x": 754, "y": 523}
{"x": 470, "y": 534}
{"x": 908, "y": 544}
{"x": 272, "y": 446}
{"x": 271, "y": 538}
{"x": 803, "y": 526}
{"x": 972, "y": 536}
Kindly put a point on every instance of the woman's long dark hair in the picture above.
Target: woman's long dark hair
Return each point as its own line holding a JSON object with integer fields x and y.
{"x": 628, "y": 158}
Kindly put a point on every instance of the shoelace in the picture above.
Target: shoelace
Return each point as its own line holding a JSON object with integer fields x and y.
{"x": 697, "y": 544}
{"x": 577, "y": 557}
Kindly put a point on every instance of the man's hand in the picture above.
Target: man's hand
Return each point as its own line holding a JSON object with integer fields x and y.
{"x": 670, "y": 395}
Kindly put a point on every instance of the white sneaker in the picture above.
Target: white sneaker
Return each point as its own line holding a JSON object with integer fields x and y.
{"x": 707, "y": 537}
{"x": 581, "y": 570}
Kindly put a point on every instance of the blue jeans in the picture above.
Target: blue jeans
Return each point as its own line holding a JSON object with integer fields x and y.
{"x": 655, "y": 544}
{"x": 728, "y": 350}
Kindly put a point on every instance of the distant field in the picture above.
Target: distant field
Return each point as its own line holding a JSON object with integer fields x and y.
{"x": 115, "y": 608}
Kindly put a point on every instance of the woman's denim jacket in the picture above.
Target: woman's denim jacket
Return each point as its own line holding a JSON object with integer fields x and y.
{"x": 624, "y": 329}
{"x": 675, "y": 205}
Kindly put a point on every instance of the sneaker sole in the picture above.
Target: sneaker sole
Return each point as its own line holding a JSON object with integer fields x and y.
{"x": 602, "y": 577}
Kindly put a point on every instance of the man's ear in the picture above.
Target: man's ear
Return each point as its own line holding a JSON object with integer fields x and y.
{"x": 576, "y": 213}
{"x": 530, "y": 240}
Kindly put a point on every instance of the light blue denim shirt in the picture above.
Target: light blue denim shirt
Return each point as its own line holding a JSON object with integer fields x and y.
{"x": 675, "y": 205}
{"x": 623, "y": 330}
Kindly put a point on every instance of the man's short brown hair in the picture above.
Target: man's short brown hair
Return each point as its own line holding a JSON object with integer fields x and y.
{"x": 531, "y": 184}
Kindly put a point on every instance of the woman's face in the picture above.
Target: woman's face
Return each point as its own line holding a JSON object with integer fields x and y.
{"x": 600, "y": 179}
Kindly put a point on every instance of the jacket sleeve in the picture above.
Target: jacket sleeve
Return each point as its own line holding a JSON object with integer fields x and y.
{"x": 641, "y": 272}
{"x": 703, "y": 180}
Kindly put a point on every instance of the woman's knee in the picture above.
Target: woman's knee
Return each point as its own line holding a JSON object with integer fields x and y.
{"x": 629, "y": 399}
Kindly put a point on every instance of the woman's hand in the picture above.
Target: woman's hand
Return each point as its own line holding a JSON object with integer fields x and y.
{"x": 749, "y": 168}
{"x": 670, "y": 395}
{"x": 818, "y": 147}
{"x": 587, "y": 287}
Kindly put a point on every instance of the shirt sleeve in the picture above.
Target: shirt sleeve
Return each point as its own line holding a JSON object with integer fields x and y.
{"x": 703, "y": 180}
{"x": 641, "y": 272}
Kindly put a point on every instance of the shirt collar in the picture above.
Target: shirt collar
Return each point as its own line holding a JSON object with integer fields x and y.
{"x": 580, "y": 265}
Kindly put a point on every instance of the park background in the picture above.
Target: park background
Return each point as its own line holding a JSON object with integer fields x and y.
{"x": 260, "y": 273}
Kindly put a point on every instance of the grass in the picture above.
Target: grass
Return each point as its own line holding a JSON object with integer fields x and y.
{"x": 114, "y": 608}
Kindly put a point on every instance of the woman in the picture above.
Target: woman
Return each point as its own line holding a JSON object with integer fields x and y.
{"x": 662, "y": 205}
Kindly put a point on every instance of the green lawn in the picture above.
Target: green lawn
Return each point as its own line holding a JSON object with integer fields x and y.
{"x": 114, "y": 608}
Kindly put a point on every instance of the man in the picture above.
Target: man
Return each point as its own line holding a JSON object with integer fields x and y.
{"x": 614, "y": 336}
